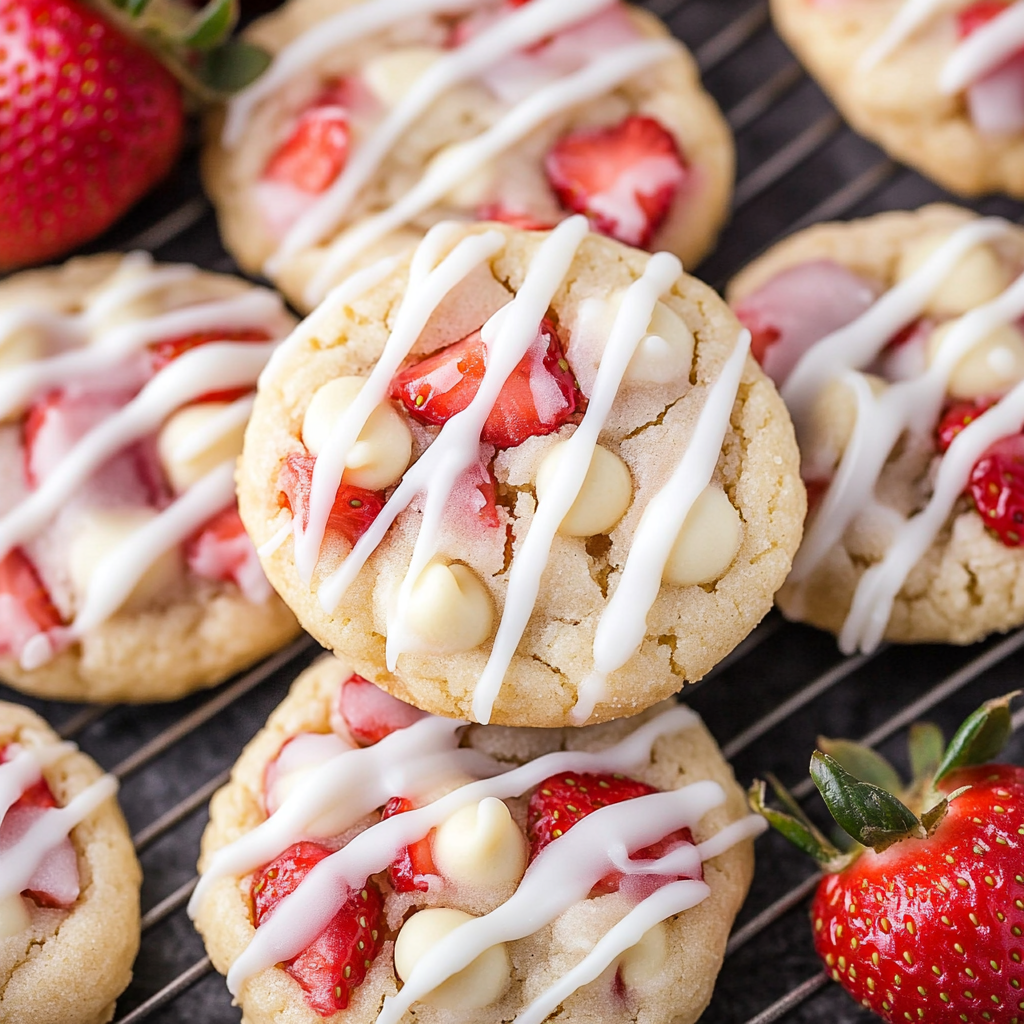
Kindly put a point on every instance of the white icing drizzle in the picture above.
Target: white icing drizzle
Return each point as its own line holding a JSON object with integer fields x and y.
{"x": 428, "y": 286}
{"x": 977, "y": 55}
{"x": 623, "y": 623}
{"x": 118, "y": 573}
{"x": 457, "y": 446}
{"x": 521, "y": 28}
{"x": 563, "y": 874}
{"x": 234, "y": 415}
{"x": 595, "y": 79}
{"x": 912, "y": 405}
{"x": 343, "y": 29}
{"x": 528, "y": 566}
{"x": 20, "y": 861}
{"x": 215, "y": 366}
{"x": 90, "y": 344}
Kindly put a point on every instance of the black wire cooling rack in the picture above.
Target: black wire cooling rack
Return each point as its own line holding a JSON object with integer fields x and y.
{"x": 766, "y": 703}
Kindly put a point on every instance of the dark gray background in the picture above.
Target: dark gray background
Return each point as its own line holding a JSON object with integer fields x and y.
{"x": 797, "y": 164}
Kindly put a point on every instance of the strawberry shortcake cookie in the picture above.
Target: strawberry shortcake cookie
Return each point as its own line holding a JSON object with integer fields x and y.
{"x": 371, "y": 863}
{"x": 69, "y": 896}
{"x": 125, "y": 573}
{"x": 525, "y": 478}
{"x": 937, "y": 83}
{"x": 378, "y": 118}
{"x": 898, "y": 345}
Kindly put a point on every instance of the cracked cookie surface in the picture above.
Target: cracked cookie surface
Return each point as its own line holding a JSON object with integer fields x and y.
{"x": 689, "y": 627}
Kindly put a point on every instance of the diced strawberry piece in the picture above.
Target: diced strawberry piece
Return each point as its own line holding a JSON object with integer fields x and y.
{"x": 223, "y": 552}
{"x": 971, "y": 18}
{"x": 332, "y": 967}
{"x": 519, "y": 219}
{"x": 561, "y": 801}
{"x": 301, "y": 753}
{"x": 797, "y": 308}
{"x": 165, "y": 352}
{"x": 55, "y": 883}
{"x": 955, "y": 418}
{"x": 317, "y": 150}
{"x": 414, "y": 866}
{"x": 538, "y": 397}
{"x": 624, "y": 178}
{"x": 815, "y": 493}
{"x": 354, "y": 507}
{"x": 997, "y": 487}
{"x": 370, "y": 713}
{"x": 25, "y": 606}
{"x": 488, "y": 488}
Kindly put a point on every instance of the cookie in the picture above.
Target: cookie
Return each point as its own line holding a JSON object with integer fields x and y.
{"x": 125, "y": 573}
{"x": 897, "y": 344}
{"x": 939, "y": 86}
{"x": 427, "y": 847}
{"x": 69, "y": 907}
{"x": 376, "y": 121}
{"x": 670, "y": 502}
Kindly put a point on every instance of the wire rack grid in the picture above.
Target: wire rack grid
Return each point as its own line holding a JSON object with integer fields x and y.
{"x": 784, "y": 685}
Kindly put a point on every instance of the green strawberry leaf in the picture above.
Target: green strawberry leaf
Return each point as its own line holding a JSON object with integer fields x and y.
{"x": 869, "y": 814}
{"x": 233, "y": 66}
{"x": 926, "y": 745}
{"x": 863, "y": 762}
{"x": 980, "y": 738}
{"x": 212, "y": 25}
{"x": 795, "y": 825}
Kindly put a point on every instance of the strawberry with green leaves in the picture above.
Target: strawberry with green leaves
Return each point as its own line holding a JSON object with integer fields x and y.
{"x": 923, "y": 919}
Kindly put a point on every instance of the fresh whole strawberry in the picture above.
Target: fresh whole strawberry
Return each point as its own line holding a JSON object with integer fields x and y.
{"x": 354, "y": 508}
{"x": 923, "y": 919}
{"x": 335, "y": 964}
{"x": 413, "y": 868}
{"x": 997, "y": 487}
{"x": 561, "y": 801}
{"x": 89, "y": 122}
{"x": 443, "y": 384}
{"x": 625, "y": 178}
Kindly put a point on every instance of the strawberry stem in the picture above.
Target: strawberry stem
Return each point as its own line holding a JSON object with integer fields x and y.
{"x": 794, "y": 824}
{"x": 980, "y": 738}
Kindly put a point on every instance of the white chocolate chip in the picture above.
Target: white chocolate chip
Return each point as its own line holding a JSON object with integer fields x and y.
{"x": 978, "y": 278}
{"x": 708, "y": 541}
{"x": 642, "y": 963}
{"x": 665, "y": 353}
{"x": 603, "y": 499}
{"x": 994, "y": 365}
{"x": 483, "y": 982}
{"x": 480, "y": 845}
{"x": 197, "y": 439}
{"x": 24, "y": 345}
{"x": 833, "y": 417}
{"x": 450, "y": 610}
{"x": 382, "y": 452}
{"x": 14, "y": 916}
{"x": 392, "y": 75}
{"x": 99, "y": 533}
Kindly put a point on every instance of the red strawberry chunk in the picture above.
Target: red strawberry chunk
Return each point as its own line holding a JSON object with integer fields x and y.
{"x": 971, "y": 18}
{"x": 332, "y": 967}
{"x": 55, "y": 883}
{"x": 413, "y": 868}
{"x": 624, "y": 178}
{"x": 997, "y": 487}
{"x": 561, "y": 801}
{"x": 354, "y": 507}
{"x": 223, "y": 552}
{"x": 370, "y": 713}
{"x": 317, "y": 150}
{"x": 955, "y": 418}
{"x": 165, "y": 352}
{"x": 520, "y": 219}
{"x": 25, "y": 606}
{"x": 538, "y": 397}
